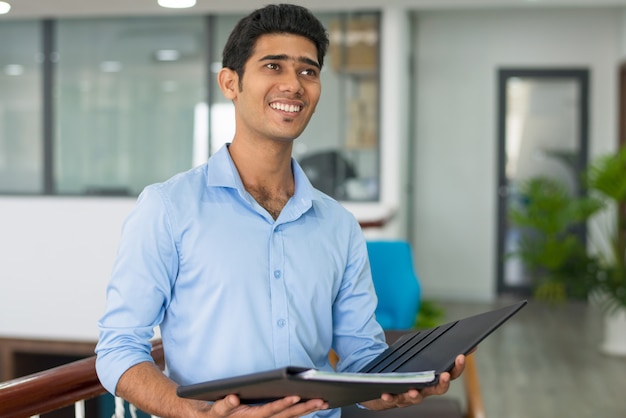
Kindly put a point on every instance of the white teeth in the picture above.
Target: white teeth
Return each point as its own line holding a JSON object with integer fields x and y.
{"x": 285, "y": 107}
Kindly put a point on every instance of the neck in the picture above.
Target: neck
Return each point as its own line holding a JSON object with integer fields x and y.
{"x": 265, "y": 172}
{"x": 267, "y": 165}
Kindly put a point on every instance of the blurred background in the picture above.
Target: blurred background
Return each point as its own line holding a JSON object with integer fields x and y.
{"x": 435, "y": 119}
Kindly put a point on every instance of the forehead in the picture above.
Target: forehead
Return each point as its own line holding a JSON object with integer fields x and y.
{"x": 293, "y": 46}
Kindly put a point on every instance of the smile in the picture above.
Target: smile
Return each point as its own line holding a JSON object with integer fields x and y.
{"x": 286, "y": 107}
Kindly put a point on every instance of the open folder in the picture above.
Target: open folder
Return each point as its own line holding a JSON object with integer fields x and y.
{"x": 414, "y": 361}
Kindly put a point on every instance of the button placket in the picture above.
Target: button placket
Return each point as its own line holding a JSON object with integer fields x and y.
{"x": 278, "y": 294}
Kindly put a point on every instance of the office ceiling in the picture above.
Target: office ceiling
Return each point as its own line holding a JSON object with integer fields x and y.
{"x": 22, "y": 9}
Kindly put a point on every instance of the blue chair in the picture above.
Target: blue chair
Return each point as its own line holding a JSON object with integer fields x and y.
{"x": 396, "y": 283}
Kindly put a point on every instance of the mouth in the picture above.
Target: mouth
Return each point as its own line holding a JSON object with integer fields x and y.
{"x": 286, "y": 107}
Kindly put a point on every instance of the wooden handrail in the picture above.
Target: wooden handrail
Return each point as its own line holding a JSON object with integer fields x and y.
{"x": 56, "y": 388}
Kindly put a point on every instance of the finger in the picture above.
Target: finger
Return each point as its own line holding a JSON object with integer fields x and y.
{"x": 291, "y": 407}
{"x": 411, "y": 397}
{"x": 305, "y": 408}
{"x": 440, "y": 388}
{"x": 389, "y": 399}
{"x": 459, "y": 366}
{"x": 226, "y": 406}
{"x": 276, "y": 407}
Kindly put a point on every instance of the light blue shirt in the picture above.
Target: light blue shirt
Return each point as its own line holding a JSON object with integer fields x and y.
{"x": 233, "y": 290}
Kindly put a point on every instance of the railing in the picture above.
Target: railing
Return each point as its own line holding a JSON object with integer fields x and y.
{"x": 56, "y": 388}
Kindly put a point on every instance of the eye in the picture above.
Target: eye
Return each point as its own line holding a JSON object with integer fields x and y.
{"x": 272, "y": 66}
{"x": 309, "y": 72}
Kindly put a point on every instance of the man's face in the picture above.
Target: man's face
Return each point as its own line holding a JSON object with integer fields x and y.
{"x": 279, "y": 90}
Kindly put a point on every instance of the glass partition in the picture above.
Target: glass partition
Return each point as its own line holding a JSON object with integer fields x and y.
{"x": 21, "y": 144}
{"x": 131, "y": 101}
{"x": 127, "y": 104}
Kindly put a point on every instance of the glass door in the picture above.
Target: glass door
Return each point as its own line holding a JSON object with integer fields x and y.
{"x": 542, "y": 131}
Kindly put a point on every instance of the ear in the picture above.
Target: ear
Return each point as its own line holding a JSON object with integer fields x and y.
{"x": 228, "y": 81}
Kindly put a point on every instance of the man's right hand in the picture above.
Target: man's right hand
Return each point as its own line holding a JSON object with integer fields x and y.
{"x": 145, "y": 386}
{"x": 287, "y": 407}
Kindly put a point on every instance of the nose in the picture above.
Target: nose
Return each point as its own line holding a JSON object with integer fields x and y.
{"x": 291, "y": 83}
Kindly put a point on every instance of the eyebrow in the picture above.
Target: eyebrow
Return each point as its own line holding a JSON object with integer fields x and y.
{"x": 285, "y": 57}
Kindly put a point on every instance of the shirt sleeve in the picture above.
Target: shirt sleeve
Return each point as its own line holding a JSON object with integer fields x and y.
{"x": 139, "y": 289}
{"x": 357, "y": 336}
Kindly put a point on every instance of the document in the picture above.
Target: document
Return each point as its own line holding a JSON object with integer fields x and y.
{"x": 338, "y": 389}
{"x": 407, "y": 378}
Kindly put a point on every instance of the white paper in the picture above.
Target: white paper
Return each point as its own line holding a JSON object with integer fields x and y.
{"x": 419, "y": 377}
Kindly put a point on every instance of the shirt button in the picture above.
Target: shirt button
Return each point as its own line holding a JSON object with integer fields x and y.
{"x": 281, "y": 323}
{"x": 277, "y": 274}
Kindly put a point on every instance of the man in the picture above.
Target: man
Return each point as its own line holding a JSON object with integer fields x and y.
{"x": 243, "y": 265}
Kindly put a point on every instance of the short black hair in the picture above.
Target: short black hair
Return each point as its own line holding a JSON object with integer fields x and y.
{"x": 272, "y": 19}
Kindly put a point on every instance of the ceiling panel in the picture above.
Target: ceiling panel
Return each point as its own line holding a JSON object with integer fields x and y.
{"x": 74, "y": 8}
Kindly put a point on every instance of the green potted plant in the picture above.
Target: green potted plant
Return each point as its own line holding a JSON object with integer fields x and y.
{"x": 550, "y": 246}
{"x": 560, "y": 263}
{"x": 606, "y": 180}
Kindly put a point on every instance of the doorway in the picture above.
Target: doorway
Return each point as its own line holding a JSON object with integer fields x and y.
{"x": 543, "y": 118}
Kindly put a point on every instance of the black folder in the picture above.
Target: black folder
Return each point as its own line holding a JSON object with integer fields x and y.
{"x": 414, "y": 361}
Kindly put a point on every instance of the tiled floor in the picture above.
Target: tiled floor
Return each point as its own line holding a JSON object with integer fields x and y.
{"x": 545, "y": 362}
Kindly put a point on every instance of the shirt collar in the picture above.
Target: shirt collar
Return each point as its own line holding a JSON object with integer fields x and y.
{"x": 221, "y": 172}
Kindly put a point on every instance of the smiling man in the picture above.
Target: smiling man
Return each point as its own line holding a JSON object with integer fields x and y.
{"x": 242, "y": 264}
{"x": 274, "y": 96}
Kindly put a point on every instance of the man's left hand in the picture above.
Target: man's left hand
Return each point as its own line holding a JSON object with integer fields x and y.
{"x": 414, "y": 396}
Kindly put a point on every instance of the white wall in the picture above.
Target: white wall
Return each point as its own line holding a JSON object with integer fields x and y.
{"x": 457, "y": 57}
{"x": 56, "y": 255}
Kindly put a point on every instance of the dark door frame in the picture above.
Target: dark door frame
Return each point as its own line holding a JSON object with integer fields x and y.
{"x": 504, "y": 74}
{"x": 621, "y": 140}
